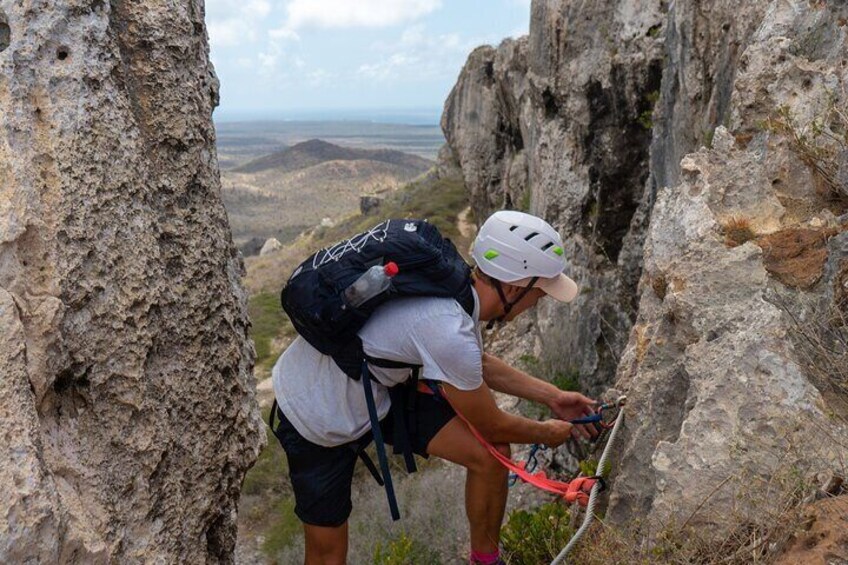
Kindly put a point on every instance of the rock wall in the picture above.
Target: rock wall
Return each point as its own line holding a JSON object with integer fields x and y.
{"x": 721, "y": 394}
{"x": 127, "y": 402}
{"x": 558, "y": 124}
{"x": 644, "y": 131}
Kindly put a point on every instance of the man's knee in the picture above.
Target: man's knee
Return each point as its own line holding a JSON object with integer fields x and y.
{"x": 326, "y": 546}
{"x": 485, "y": 462}
{"x": 504, "y": 449}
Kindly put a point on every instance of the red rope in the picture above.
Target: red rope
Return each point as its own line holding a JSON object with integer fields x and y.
{"x": 576, "y": 490}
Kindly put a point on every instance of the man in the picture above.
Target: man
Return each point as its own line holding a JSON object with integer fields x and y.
{"x": 324, "y": 421}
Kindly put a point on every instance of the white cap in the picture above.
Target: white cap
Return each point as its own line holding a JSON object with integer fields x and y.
{"x": 514, "y": 247}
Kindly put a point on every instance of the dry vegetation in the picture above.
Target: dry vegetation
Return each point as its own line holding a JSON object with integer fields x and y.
{"x": 439, "y": 201}
{"x": 820, "y": 334}
{"x": 822, "y": 144}
{"x": 737, "y": 230}
{"x": 275, "y": 204}
{"x": 769, "y": 515}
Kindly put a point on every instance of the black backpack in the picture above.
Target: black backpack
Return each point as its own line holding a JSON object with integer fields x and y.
{"x": 428, "y": 265}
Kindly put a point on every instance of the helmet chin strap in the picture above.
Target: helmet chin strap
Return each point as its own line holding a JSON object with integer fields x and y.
{"x": 507, "y": 305}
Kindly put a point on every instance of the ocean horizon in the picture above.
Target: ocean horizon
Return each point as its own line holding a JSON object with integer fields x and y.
{"x": 405, "y": 116}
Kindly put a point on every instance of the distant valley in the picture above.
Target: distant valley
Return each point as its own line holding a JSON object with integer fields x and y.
{"x": 272, "y": 189}
{"x": 240, "y": 142}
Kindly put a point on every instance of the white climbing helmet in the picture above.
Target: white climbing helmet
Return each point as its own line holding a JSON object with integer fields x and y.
{"x": 513, "y": 247}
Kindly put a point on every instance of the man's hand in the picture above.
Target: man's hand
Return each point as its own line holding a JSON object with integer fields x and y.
{"x": 573, "y": 405}
{"x": 557, "y": 432}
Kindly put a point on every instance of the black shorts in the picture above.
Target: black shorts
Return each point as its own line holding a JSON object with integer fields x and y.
{"x": 321, "y": 476}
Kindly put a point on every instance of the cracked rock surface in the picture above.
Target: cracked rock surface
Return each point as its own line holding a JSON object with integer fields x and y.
{"x": 127, "y": 403}
{"x": 644, "y": 132}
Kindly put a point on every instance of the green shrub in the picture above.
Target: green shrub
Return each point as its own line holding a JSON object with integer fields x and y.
{"x": 283, "y": 528}
{"x": 270, "y": 472}
{"x": 568, "y": 380}
{"x": 266, "y": 484}
{"x": 268, "y": 321}
{"x": 646, "y": 119}
{"x": 404, "y": 550}
{"x": 536, "y": 536}
{"x": 530, "y": 361}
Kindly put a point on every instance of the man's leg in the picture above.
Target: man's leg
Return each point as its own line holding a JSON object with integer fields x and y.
{"x": 321, "y": 480}
{"x": 485, "y": 483}
{"x": 326, "y": 546}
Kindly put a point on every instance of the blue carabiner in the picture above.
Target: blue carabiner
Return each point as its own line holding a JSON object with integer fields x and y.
{"x": 594, "y": 418}
{"x": 531, "y": 464}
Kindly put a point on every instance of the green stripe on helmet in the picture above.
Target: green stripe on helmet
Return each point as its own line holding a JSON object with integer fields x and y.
{"x": 491, "y": 254}
{"x": 558, "y": 250}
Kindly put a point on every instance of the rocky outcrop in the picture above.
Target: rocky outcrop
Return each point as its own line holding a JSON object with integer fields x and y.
{"x": 271, "y": 245}
{"x": 718, "y": 390}
{"x": 558, "y": 124}
{"x": 824, "y": 537}
{"x": 369, "y": 204}
{"x": 721, "y": 390}
{"x": 675, "y": 147}
{"x": 127, "y": 403}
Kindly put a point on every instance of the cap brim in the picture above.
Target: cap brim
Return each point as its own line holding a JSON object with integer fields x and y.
{"x": 561, "y": 288}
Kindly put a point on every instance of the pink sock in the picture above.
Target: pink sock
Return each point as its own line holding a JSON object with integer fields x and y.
{"x": 480, "y": 558}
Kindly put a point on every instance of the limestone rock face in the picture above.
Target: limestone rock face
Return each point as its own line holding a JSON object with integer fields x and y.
{"x": 717, "y": 388}
{"x": 127, "y": 404}
{"x": 550, "y": 124}
{"x": 649, "y": 133}
{"x": 720, "y": 391}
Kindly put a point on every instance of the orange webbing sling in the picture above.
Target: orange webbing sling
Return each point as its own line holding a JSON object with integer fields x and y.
{"x": 577, "y": 490}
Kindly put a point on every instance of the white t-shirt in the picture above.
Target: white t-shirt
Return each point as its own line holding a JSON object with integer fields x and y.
{"x": 328, "y": 408}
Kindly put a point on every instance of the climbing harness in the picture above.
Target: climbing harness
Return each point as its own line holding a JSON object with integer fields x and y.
{"x": 596, "y": 488}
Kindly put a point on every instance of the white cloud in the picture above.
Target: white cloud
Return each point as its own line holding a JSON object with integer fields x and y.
{"x": 356, "y": 13}
{"x": 412, "y": 36}
{"x": 318, "y": 77}
{"x": 283, "y": 33}
{"x": 393, "y": 66}
{"x": 419, "y": 56}
{"x": 269, "y": 59}
{"x": 234, "y": 22}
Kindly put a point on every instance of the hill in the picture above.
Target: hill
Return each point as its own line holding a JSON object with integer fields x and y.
{"x": 282, "y": 193}
{"x": 315, "y": 151}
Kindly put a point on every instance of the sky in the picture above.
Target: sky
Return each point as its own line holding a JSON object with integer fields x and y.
{"x": 343, "y": 58}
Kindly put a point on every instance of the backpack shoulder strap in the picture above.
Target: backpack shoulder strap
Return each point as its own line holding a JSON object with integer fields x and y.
{"x": 378, "y": 441}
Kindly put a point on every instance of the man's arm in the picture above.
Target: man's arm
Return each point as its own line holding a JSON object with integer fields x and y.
{"x": 507, "y": 379}
{"x": 479, "y": 408}
{"x": 504, "y": 378}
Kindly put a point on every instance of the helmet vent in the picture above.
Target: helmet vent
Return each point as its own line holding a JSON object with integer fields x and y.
{"x": 513, "y": 228}
{"x": 531, "y": 236}
{"x": 547, "y": 246}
